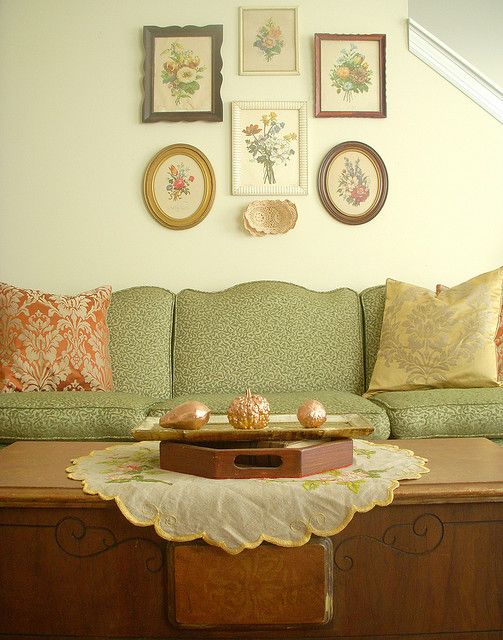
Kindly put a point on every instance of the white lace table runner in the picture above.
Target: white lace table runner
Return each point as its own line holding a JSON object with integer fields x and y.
{"x": 240, "y": 514}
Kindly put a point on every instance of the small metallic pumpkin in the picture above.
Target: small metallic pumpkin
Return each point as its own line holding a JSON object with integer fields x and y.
{"x": 188, "y": 415}
{"x": 311, "y": 414}
{"x": 248, "y": 411}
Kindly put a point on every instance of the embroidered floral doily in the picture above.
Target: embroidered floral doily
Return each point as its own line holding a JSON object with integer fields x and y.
{"x": 240, "y": 514}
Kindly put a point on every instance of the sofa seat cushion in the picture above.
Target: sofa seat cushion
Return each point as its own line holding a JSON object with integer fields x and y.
{"x": 335, "y": 402}
{"x": 444, "y": 412}
{"x": 76, "y": 415}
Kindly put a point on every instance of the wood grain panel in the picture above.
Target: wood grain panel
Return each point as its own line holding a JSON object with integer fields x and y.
{"x": 266, "y": 586}
{"x": 421, "y": 570}
{"x": 80, "y": 572}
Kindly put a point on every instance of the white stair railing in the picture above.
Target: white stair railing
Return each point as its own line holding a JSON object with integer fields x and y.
{"x": 455, "y": 69}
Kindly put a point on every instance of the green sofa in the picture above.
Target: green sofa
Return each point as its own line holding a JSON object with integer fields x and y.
{"x": 281, "y": 340}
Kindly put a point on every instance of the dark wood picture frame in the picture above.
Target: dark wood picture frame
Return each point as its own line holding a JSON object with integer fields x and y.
{"x": 334, "y": 199}
{"x": 151, "y": 112}
{"x": 358, "y": 85}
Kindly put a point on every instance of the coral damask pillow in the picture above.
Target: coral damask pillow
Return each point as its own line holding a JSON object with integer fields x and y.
{"x": 498, "y": 340}
{"x": 54, "y": 343}
{"x": 431, "y": 341}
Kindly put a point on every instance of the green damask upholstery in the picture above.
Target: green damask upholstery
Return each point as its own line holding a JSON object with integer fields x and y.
{"x": 70, "y": 415}
{"x": 280, "y": 339}
{"x": 140, "y": 322}
{"x": 372, "y": 300}
{"x": 270, "y": 336}
{"x": 335, "y": 402}
{"x": 437, "y": 413}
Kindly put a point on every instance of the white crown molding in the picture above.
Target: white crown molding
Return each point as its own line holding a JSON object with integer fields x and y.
{"x": 455, "y": 69}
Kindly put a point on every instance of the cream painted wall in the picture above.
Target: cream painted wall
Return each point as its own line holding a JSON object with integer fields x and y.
{"x": 73, "y": 152}
{"x": 473, "y": 28}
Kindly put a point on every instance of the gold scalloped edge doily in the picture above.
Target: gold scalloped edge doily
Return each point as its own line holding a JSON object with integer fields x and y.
{"x": 310, "y": 530}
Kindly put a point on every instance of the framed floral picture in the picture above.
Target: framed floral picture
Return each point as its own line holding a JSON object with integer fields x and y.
{"x": 182, "y": 73}
{"x": 353, "y": 182}
{"x": 179, "y": 186}
{"x": 269, "y": 148}
{"x": 268, "y": 41}
{"x": 350, "y": 76}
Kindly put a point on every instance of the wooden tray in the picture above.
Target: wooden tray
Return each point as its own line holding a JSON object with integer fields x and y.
{"x": 280, "y": 428}
{"x": 256, "y": 459}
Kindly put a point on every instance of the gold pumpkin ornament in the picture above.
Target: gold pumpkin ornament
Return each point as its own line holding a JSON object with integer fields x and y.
{"x": 248, "y": 411}
{"x": 311, "y": 414}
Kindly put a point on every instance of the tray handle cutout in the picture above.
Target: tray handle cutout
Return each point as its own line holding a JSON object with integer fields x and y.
{"x": 242, "y": 461}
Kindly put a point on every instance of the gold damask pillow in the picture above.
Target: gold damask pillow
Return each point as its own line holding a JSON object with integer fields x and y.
{"x": 431, "y": 341}
{"x": 498, "y": 339}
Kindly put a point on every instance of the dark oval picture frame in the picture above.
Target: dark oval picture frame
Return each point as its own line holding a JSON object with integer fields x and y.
{"x": 353, "y": 182}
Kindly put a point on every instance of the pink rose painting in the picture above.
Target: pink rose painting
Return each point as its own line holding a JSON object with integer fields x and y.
{"x": 353, "y": 185}
{"x": 179, "y": 181}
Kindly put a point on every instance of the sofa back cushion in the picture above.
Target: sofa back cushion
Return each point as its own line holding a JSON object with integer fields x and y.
{"x": 270, "y": 336}
{"x": 140, "y": 321}
{"x": 372, "y": 300}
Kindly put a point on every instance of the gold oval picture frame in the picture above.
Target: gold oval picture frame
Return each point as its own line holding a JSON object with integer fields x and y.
{"x": 353, "y": 182}
{"x": 179, "y": 186}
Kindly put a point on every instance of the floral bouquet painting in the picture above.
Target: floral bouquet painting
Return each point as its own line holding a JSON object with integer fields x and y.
{"x": 268, "y": 145}
{"x": 353, "y": 184}
{"x": 179, "y": 181}
{"x": 181, "y": 72}
{"x": 351, "y": 74}
{"x": 268, "y": 40}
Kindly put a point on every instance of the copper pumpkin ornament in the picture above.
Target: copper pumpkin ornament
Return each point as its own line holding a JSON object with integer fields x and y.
{"x": 188, "y": 415}
{"x": 248, "y": 411}
{"x": 311, "y": 414}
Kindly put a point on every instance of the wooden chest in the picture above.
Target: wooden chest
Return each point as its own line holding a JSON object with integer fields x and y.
{"x": 427, "y": 567}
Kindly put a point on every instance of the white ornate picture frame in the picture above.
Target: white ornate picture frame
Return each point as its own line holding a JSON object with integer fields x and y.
{"x": 269, "y": 148}
{"x": 268, "y": 41}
